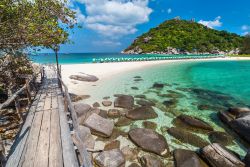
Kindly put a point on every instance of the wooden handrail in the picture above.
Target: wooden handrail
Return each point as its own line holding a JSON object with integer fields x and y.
{"x": 85, "y": 159}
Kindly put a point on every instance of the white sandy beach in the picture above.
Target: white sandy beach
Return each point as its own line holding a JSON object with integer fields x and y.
{"x": 105, "y": 70}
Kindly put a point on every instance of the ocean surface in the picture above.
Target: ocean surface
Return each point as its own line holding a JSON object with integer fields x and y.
{"x": 80, "y": 58}
{"x": 200, "y": 89}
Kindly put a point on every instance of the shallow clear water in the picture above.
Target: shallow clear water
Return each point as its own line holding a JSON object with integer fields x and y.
{"x": 219, "y": 84}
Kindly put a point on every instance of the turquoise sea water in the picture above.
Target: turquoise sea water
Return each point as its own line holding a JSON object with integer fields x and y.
{"x": 79, "y": 58}
{"x": 217, "y": 84}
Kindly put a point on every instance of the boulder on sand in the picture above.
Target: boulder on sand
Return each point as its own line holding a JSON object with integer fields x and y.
{"x": 187, "y": 158}
{"x": 99, "y": 125}
{"x": 187, "y": 137}
{"x": 124, "y": 101}
{"x": 86, "y": 137}
{"x": 142, "y": 113}
{"x": 84, "y": 77}
{"x": 83, "y": 111}
{"x": 149, "y": 140}
{"x": 194, "y": 122}
{"x": 217, "y": 156}
{"x": 110, "y": 158}
{"x": 151, "y": 161}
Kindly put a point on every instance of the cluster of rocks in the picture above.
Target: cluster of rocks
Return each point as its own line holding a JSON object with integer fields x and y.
{"x": 103, "y": 123}
{"x": 84, "y": 77}
{"x": 175, "y": 51}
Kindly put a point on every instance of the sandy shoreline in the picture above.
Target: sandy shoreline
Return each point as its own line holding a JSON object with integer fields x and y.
{"x": 105, "y": 70}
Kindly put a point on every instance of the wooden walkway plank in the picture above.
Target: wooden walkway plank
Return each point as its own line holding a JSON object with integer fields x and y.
{"x": 55, "y": 152}
{"x": 69, "y": 156}
{"x": 19, "y": 144}
{"x": 42, "y": 151}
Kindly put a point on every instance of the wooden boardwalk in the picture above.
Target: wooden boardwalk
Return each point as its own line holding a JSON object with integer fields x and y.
{"x": 45, "y": 138}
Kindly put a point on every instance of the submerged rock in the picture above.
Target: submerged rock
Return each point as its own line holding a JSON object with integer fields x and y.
{"x": 238, "y": 112}
{"x": 111, "y": 158}
{"x": 123, "y": 121}
{"x": 187, "y": 137}
{"x": 221, "y": 138}
{"x": 103, "y": 113}
{"x": 170, "y": 103}
{"x": 124, "y": 101}
{"x": 107, "y": 103}
{"x": 187, "y": 158}
{"x": 99, "y": 125}
{"x": 151, "y": 161}
{"x": 96, "y": 104}
{"x": 84, "y": 77}
{"x": 140, "y": 96}
{"x": 217, "y": 156}
{"x": 158, "y": 85}
{"x": 142, "y": 113}
{"x": 194, "y": 122}
{"x": 149, "y": 140}
{"x": 242, "y": 127}
{"x": 149, "y": 125}
{"x": 145, "y": 102}
{"x": 135, "y": 88}
{"x": 76, "y": 98}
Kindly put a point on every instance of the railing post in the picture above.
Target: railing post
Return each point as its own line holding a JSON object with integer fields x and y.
{"x": 18, "y": 109}
{"x": 2, "y": 153}
{"x": 28, "y": 91}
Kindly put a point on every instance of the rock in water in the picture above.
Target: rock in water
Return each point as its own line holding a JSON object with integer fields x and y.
{"x": 81, "y": 108}
{"x": 149, "y": 140}
{"x": 142, "y": 113}
{"x": 187, "y": 137}
{"x": 96, "y": 104}
{"x": 242, "y": 127}
{"x": 84, "y": 77}
{"x": 130, "y": 153}
{"x": 143, "y": 102}
{"x": 149, "y": 125}
{"x": 194, "y": 122}
{"x": 99, "y": 125}
{"x": 107, "y": 103}
{"x": 221, "y": 138}
{"x": 187, "y": 158}
{"x": 114, "y": 113}
{"x": 112, "y": 145}
{"x": 218, "y": 156}
{"x": 239, "y": 111}
{"x": 124, "y": 101}
{"x": 151, "y": 161}
{"x": 111, "y": 158}
{"x": 86, "y": 137}
{"x": 158, "y": 85}
{"x": 123, "y": 121}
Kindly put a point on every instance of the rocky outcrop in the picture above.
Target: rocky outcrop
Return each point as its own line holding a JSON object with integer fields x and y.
{"x": 124, "y": 101}
{"x": 84, "y": 77}
{"x": 217, "y": 156}
{"x": 142, "y": 113}
{"x": 239, "y": 120}
{"x": 111, "y": 158}
{"x": 149, "y": 140}
{"x": 99, "y": 125}
{"x": 194, "y": 122}
{"x": 151, "y": 161}
{"x": 187, "y": 158}
{"x": 187, "y": 137}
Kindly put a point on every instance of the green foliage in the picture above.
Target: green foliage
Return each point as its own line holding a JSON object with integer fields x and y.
{"x": 246, "y": 45}
{"x": 26, "y": 23}
{"x": 13, "y": 69}
{"x": 186, "y": 36}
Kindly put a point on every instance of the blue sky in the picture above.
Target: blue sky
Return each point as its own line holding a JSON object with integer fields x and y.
{"x": 111, "y": 25}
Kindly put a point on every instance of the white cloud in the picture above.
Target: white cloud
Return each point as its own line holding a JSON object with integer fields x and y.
{"x": 79, "y": 16}
{"x": 212, "y": 24}
{"x": 169, "y": 11}
{"x": 245, "y": 27}
{"x": 245, "y": 33}
{"x": 107, "y": 43}
{"x": 114, "y": 18}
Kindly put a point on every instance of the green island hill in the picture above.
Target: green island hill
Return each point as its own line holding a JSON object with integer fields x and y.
{"x": 185, "y": 37}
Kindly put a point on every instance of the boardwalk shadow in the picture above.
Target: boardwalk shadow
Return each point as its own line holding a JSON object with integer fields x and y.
{"x": 17, "y": 141}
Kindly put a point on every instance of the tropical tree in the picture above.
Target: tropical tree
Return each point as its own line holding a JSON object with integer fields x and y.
{"x": 246, "y": 45}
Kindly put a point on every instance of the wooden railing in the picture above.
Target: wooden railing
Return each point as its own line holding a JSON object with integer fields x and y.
{"x": 85, "y": 160}
{"x": 16, "y": 99}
